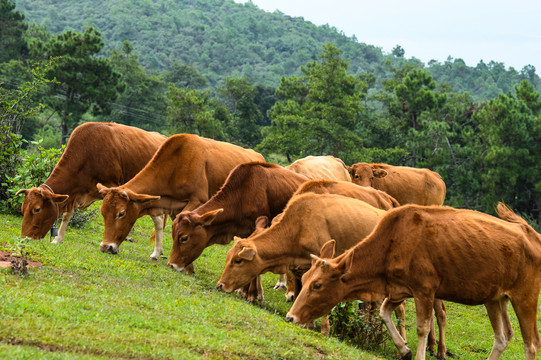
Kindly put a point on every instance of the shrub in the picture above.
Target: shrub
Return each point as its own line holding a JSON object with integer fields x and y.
{"x": 358, "y": 324}
{"x": 33, "y": 169}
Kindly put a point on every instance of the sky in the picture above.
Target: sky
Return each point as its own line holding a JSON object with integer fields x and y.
{"x": 504, "y": 31}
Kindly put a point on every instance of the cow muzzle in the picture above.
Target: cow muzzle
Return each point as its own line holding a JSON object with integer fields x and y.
{"x": 175, "y": 267}
{"x": 109, "y": 248}
{"x": 290, "y": 318}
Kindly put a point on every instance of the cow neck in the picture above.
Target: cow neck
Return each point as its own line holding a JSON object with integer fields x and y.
{"x": 274, "y": 248}
{"x": 367, "y": 274}
{"x": 228, "y": 223}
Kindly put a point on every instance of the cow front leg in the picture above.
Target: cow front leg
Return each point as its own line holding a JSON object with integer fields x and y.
{"x": 282, "y": 283}
{"x": 66, "y": 217}
{"x": 159, "y": 222}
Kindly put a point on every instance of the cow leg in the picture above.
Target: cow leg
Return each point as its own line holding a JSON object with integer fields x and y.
{"x": 254, "y": 290}
{"x": 400, "y": 313}
{"x": 499, "y": 319}
{"x": 159, "y": 221}
{"x": 526, "y": 310}
{"x": 325, "y": 325}
{"x": 290, "y": 292}
{"x": 424, "y": 309}
{"x": 441, "y": 316}
{"x": 66, "y": 217}
{"x": 385, "y": 312}
{"x": 282, "y": 283}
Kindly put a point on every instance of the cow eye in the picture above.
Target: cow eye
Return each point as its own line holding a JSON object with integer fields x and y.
{"x": 237, "y": 260}
{"x": 183, "y": 238}
{"x": 121, "y": 214}
{"x": 36, "y": 210}
{"x": 356, "y": 176}
{"x": 316, "y": 286}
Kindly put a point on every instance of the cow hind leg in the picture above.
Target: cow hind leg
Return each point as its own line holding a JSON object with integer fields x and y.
{"x": 66, "y": 217}
{"x": 282, "y": 283}
{"x": 385, "y": 312}
{"x": 499, "y": 319}
{"x": 526, "y": 311}
{"x": 441, "y": 316}
{"x": 425, "y": 315}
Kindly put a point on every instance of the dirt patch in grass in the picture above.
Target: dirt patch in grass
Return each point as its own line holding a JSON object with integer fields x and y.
{"x": 8, "y": 259}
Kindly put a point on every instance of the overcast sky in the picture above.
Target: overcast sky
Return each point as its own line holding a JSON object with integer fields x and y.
{"x": 503, "y": 31}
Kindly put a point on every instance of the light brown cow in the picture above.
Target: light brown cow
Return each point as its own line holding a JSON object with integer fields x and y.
{"x": 406, "y": 184}
{"x": 251, "y": 190}
{"x": 184, "y": 173}
{"x": 307, "y": 222}
{"x": 321, "y": 167}
{"x": 96, "y": 152}
{"x": 436, "y": 252}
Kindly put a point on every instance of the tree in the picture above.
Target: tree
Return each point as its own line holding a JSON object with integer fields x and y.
{"x": 509, "y": 150}
{"x": 239, "y": 96}
{"x": 316, "y": 113}
{"x": 85, "y": 82}
{"x": 185, "y": 76}
{"x": 192, "y": 111}
{"x": 142, "y": 103}
{"x": 12, "y": 28}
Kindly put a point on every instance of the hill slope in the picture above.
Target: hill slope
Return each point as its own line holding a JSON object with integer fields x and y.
{"x": 222, "y": 38}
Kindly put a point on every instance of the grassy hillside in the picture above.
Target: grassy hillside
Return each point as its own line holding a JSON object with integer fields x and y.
{"x": 82, "y": 304}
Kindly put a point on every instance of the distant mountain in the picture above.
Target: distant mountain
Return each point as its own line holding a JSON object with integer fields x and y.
{"x": 221, "y": 38}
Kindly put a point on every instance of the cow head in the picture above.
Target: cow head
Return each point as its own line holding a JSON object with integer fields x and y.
{"x": 190, "y": 237}
{"x": 120, "y": 209}
{"x": 40, "y": 210}
{"x": 242, "y": 265}
{"x": 323, "y": 286}
{"x": 363, "y": 174}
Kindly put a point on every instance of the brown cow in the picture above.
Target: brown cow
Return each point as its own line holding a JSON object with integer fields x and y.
{"x": 96, "y": 152}
{"x": 251, "y": 190}
{"x": 406, "y": 184}
{"x": 306, "y": 223}
{"x": 185, "y": 171}
{"x": 321, "y": 167}
{"x": 436, "y": 252}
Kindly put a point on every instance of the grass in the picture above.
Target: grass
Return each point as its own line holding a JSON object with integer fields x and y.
{"x": 83, "y": 304}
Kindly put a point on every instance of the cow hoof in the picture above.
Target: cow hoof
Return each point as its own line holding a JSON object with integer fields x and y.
{"x": 155, "y": 256}
{"x": 57, "y": 240}
{"x": 407, "y": 356}
{"x": 280, "y": 286}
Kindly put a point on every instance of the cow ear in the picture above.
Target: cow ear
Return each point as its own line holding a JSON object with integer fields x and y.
{"x": 247, "y": 253}
{"x": 327, "y": 250}
{"x": 102, "y": 190}
{"x": 142, "y": 198}
{"x": 345, "y": 267}
{"x": 59, "y": 199}
{"x": 379, "y": 173}
{"x": 208, "y": 218}
{"x": 262, "y": 222}
{"x": 25, "y": 191}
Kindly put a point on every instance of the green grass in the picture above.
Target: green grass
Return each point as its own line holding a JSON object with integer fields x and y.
{"x": 83, "y": 304}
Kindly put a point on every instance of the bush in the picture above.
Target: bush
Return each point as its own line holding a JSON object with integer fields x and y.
{"x": 358, "y": 324}
{"x": 35, "y": 166}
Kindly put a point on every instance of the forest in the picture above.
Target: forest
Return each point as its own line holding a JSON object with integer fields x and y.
{"x": 278, "y": 84}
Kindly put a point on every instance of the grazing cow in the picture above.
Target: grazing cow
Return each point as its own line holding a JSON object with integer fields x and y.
{"x": 96, "y": 152}
{"x": 251, "y": 190}
{"x": 406, "y": 184}
{"x": 306, "y": 223}
{"x": 436, "y": 252}
{"x": 185, "y": 171}
{"x": 321, "y": 167}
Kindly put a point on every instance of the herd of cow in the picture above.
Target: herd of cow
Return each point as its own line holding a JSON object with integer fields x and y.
{"x": 374, "y": 232}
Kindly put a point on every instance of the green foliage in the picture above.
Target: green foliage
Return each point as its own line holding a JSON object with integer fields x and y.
{"x": 82, "y": 218}
{"x": 16, "y": 105}
{"x": 83, "y": 81}
{"x": 358, "y": 324}
{"x": 34, "y": 168}
{"x": 192, "y": 111}
{"x": 316, "y": 114}
{"x": 12, "y": 27}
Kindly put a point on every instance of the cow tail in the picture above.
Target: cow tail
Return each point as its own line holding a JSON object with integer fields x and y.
{"x": 505, "y": 213}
